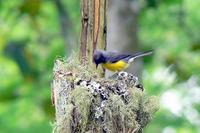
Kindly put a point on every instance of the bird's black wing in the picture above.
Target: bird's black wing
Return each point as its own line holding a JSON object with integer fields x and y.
{"x": 113, "y": 57}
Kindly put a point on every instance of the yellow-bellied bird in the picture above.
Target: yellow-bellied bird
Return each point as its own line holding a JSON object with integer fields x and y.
{"x": 114, "y": 61}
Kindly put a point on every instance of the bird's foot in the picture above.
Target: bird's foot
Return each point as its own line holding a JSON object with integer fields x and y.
{"x": 114, "y": 76}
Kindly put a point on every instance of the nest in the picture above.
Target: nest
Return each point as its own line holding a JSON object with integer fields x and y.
{"x": 86, "y": 103}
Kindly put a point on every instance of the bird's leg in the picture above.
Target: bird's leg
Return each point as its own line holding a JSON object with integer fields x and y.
{"x": 114, "y": 76}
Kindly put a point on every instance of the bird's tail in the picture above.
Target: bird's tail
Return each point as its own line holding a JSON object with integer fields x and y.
{"x": 140, "y": 54}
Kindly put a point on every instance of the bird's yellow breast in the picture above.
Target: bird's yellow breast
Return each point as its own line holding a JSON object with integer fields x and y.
{"x": 117, "y": 66}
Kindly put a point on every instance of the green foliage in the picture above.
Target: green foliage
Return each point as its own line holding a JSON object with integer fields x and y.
{"x": 26, "y": 66}
{"x": 171, "y": 29}
{"x": 22, "y": 115}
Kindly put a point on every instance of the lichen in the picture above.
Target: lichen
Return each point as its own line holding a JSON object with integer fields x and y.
{"x": 64, "y": 125}
{"x": 81, "y": 99}
{"x": 94, "y": 104}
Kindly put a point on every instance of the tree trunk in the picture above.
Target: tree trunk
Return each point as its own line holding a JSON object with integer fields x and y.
{"x": 93, "y": 27}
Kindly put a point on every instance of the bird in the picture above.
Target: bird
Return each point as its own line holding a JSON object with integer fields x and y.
{"x": 114, "y": 61}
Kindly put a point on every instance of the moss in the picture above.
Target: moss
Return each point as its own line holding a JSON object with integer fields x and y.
{"x": 81, "y": 99}
{"x": 73, "y": 65}
{"x": 151, "y": 105}
{"x": 64, "y": 125}
{"x": 136, "y": 98}
{"x": 95, "y": 104}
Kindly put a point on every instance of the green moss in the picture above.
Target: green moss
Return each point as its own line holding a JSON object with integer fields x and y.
{"x": 73, "y": 65}
{"x": 151, "y": 105}
{"x": 81, "y": 99}
{"x": 65, "y": 124}
{"x": 116, "y": 114}
{"x": 136, "y": 99}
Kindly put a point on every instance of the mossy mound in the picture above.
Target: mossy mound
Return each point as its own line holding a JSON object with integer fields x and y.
{"x": 86, "y": 103}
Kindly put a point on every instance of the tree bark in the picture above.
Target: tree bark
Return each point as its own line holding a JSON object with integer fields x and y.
{"x": 93, "y": 27}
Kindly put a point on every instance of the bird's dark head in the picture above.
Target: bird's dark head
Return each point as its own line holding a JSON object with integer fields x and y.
{"x": 98, "y": 57}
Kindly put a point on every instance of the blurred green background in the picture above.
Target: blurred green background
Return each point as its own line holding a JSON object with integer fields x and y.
{"x": 31, "y": 38}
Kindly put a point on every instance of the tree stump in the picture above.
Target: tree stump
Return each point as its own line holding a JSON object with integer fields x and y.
{"x": 86, "y": 103}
